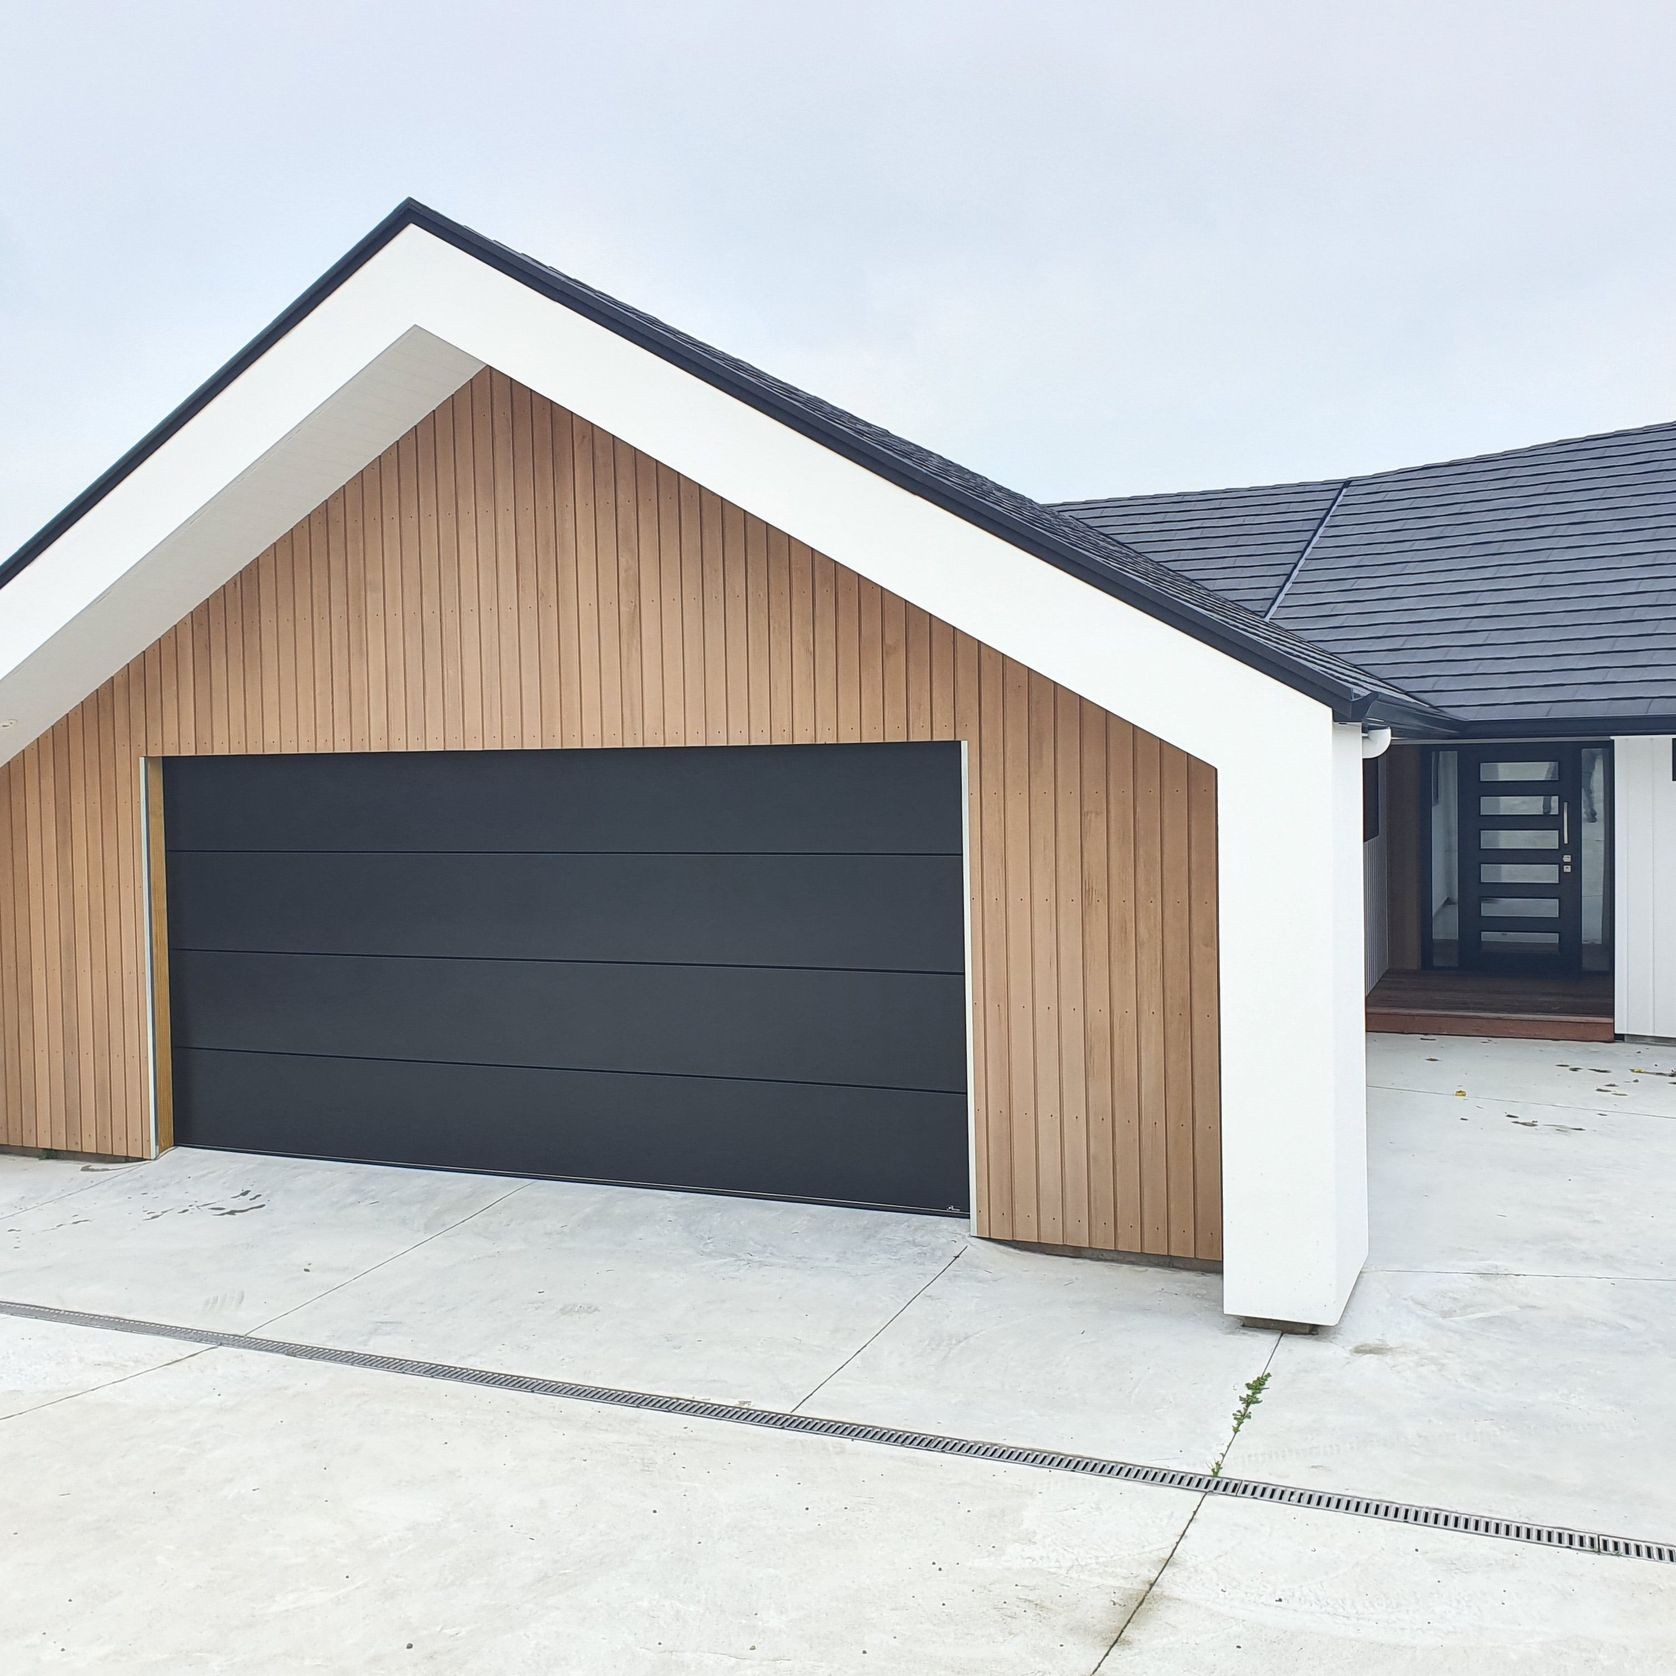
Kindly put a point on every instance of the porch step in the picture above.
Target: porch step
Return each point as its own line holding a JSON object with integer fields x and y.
{"x": 1556, "y": 1027}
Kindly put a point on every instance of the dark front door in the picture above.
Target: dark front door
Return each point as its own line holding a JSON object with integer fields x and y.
{"x": 733, "y": 969}
{"x": 1521, "y": 831}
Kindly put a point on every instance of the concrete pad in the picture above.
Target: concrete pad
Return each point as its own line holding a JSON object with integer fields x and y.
{"x": 1271, "y": 1591}
{"x": 1014, "y": 1346}
{"x": 223, "y": 1239}
{"x": 736, "y": 1300}
{"x": 1548, "y": 1400}
{"x": 42, "y": 1362}
{"x": 239, "y": 1513}
{"x": 26, "y": 1181}
{"x": 1609, "y": 1076}
{"x": 1507, "y": 1186}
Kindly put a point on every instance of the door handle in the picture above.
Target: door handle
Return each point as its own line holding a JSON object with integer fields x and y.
{"x": 1565, "y": 822}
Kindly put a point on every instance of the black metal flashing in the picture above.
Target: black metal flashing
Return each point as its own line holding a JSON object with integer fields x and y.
{"x": 1070, "y": 545}
{"x": 1303, "y": 557}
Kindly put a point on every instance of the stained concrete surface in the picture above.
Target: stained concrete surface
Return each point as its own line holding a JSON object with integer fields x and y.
{"x": 44, "y": 1362}
{"x": 1110, "y": 1359}
{"x": 239, "y": 1513}
{"x": 223, "y": 1240}
{"x": 1605, "y": 1076}
{"x": 27, "y": 1180}
{"x": 1284, "y": 1591}
{"x": 858, "y": 1314}
{"x": 1516, "y": 1186}
{"x": 728, "y": 1299}
{"x": 1508, "y": 1351}
{"x": 1540, "y": 1399}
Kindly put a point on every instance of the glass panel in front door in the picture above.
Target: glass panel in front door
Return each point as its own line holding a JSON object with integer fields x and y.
{"x": 1518, "y": 880}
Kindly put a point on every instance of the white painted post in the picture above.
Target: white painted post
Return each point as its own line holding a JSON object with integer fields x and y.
{"x": 1294, "y": 1142}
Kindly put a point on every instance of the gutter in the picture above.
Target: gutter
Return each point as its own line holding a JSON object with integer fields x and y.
{"x": 1410, "y": 723}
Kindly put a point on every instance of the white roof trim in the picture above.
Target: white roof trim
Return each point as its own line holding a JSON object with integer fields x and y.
{"x": 254, "y": 463}
{"x": 410, "y": 326}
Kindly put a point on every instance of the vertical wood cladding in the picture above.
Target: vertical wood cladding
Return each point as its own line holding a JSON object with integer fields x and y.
{"x": 508, "y": 576}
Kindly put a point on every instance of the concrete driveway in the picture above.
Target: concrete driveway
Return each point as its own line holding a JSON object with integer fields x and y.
{"x": 167, "y": 1506}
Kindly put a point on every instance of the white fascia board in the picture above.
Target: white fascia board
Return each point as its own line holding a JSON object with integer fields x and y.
{"x": 289, "y": 431}
{"x": 420, "y": 316}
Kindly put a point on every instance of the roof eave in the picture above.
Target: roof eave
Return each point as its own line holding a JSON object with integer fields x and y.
{"x": 1599, "y": 725}
{"x": 1344, "y": 698}
{"x": 1410, "y": 719}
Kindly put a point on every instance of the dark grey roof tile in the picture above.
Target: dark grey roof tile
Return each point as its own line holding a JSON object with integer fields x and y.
{"x": 1535, "y": 584}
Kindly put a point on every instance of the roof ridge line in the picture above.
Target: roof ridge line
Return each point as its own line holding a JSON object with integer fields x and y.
{"x": 1308, "y": 548}
{"x": 1481, "y": 458}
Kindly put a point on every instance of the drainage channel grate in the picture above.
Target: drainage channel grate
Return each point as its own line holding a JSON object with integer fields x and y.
{"x": 854, "y": 1431}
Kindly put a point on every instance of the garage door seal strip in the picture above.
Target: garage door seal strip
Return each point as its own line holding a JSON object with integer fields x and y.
{"x": 853, "y": 1431}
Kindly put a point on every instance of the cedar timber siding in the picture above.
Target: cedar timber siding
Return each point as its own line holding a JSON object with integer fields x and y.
{"x": 508, "y": 577}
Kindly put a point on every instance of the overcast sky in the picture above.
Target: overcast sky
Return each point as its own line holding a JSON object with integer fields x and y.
{"x": 1085, "y": 248}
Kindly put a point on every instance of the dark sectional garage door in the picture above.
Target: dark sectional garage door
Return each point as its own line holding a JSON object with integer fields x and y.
{"x": 738, "y": 969}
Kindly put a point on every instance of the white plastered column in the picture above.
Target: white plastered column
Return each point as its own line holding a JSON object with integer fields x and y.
{"x": 1294, "y": 1140}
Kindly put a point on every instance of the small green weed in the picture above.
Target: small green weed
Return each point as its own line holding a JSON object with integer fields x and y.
{"x": 1249, "y": 1399}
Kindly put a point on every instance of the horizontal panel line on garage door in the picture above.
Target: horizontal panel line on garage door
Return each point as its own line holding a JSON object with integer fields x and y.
{"x": 251, "y": 849}
{"x": 558, "y": 960}
{"x": 844, "y": 798}
{"x": 267, "y": 1149}
{"x": 902, "y": 1148}
{"x": 587, "y": 1070}
{"x": 883, "y": 1029}
{"x": 860, "y": 913}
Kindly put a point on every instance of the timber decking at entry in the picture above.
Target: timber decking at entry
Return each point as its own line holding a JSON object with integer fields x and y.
{"x": 1493, "y": 1004}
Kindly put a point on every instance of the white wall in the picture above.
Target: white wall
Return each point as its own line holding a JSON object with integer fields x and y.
{"x": 1376, "y": 933}
{"x": 1350, "y": 1063}
{"x": 421, "y": 314}
{"x": 1644, "y": 856}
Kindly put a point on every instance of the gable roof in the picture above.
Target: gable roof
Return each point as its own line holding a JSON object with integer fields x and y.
{"x": 1071, "y": 544}
{"x": 1522, "y": 592}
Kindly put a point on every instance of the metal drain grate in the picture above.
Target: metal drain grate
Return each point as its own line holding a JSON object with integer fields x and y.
{"x": 853, "y": 1431}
